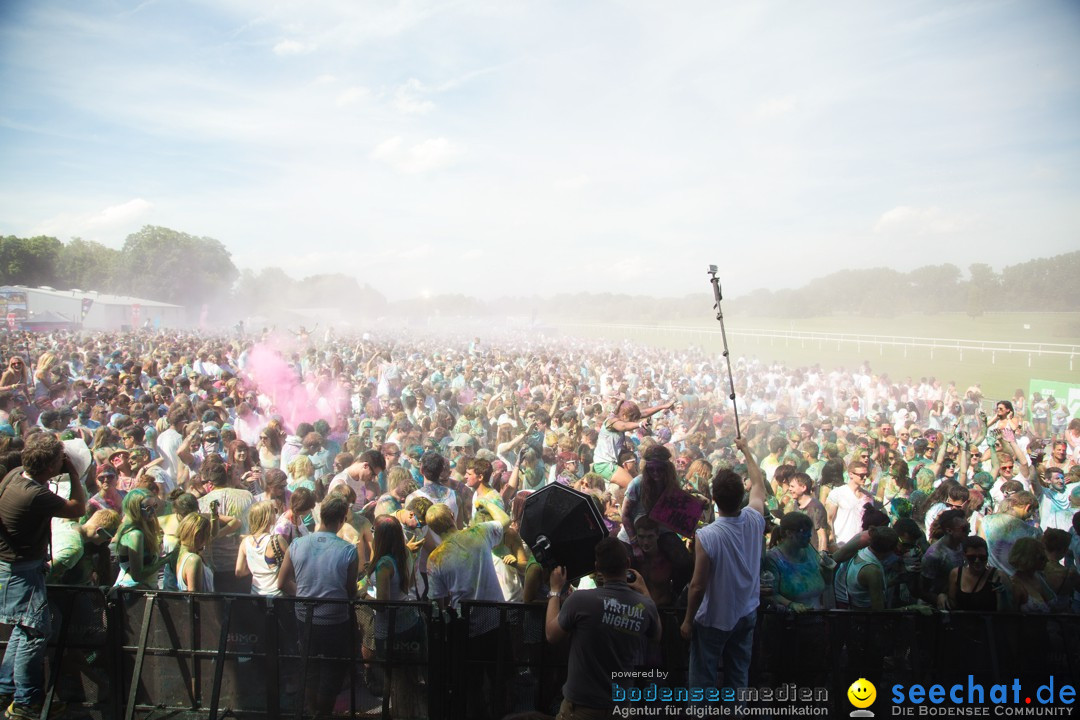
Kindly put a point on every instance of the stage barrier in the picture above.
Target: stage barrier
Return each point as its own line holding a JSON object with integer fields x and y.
{"x": 147, "y": 655}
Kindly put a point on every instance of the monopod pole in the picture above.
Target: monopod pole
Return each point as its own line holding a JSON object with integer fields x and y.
{"x": 727, "y": 355}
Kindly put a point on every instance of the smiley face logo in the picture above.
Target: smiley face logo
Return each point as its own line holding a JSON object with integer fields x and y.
{"x": 862, "y": 693}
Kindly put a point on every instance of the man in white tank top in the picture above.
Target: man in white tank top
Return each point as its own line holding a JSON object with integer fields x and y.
{"x": 721, "y": 609}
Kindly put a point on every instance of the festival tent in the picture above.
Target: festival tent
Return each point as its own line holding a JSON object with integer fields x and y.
{"x": 27, "y": 307}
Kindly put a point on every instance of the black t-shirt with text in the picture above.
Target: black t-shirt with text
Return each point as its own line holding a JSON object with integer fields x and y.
{"x": 609, "y": 627}
{"x": 26, "y": 507}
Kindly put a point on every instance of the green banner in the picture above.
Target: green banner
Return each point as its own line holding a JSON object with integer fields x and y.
{"x": 1062, "y": 392}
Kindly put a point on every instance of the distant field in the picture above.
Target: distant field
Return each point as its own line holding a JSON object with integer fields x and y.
{"x": 1046, "y": 327}
{"x": 999, "y": 371}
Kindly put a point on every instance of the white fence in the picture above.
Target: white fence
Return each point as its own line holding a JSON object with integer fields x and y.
{"x": 789, "y": 337}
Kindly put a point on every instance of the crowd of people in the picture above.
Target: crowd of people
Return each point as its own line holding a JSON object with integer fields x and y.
{"x": 290, "y": 464}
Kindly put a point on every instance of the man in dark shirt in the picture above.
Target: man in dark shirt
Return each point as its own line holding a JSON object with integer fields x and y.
{"x": 608, "y": 628}
{"x": 801, "y": 491}
{"x": 26, "y": 508}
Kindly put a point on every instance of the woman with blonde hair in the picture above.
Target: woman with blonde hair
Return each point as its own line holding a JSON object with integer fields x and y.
{"x": 43, "y": 375}
{"x": 16, "y": 377}
{"x": 399, "y": 485}
{"x": 697, "y": 482}
{"x": 698, "y": 476}
{"x": 301, "y": 474}
{"x": 138, "y": 542}
{"x": 192, "y": 573}
{"x": 261, "y": 552}
{"x": 1030, "y": 591}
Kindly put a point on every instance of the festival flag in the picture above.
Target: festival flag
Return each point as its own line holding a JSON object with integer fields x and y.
{"x": 86, "y": 303}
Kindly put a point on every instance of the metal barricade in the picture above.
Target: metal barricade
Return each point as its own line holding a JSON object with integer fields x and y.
{"x": 135, "y": 654}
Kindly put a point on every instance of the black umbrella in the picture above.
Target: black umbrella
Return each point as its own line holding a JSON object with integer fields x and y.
{"x": 562, "y": 527}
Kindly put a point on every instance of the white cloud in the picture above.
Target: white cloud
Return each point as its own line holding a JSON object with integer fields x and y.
{"x": 920, "y": 221}
{"x": 427, "y": 156}
{"x": 108, "y": 226}
{"x": 387, "y": 149}
{"x": 119, "y": 214}
{"x": 353, "y": 95}
{"x": 408, "y": 98}
{"x": 291, "y": 47}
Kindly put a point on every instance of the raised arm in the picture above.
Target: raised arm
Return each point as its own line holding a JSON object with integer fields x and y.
{"x": 757, "y": 478}
{"x": 555, "y": 397}
{"x": 184, "y": 451}
{"x": 983, "y": 427}
{"x": 75, "y": 506}
{"x": 1019, "y": 455}
{"x": 496, "y": 512}
{"x": 936, "y": 467}
{"x": 649, "y": 412}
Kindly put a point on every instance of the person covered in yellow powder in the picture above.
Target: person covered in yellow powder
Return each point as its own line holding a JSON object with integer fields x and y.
{"x": 462, "y": 568}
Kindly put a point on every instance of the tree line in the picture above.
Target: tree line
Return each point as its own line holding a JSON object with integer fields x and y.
{"x": 166, "y": 265}
{"x": 170, "y": 266}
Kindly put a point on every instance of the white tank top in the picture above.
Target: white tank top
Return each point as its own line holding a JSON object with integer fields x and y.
{"x": 263, "y": 574}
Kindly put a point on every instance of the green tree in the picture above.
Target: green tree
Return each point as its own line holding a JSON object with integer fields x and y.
{"x": 983, "y": 287}
{"x": 172, "y": 266}
{"x": 264, "y": 292}
{"x": 30, "y": 261}
{"x": 935, "y": 288}
{"x": 88, "y": 266}
{"x": 1045, "y": 283}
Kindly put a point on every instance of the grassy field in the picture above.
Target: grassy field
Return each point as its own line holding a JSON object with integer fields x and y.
{"x": 1000, "y": 373}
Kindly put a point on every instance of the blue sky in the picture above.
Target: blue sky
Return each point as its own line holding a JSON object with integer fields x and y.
{"x": 493, "y": 147}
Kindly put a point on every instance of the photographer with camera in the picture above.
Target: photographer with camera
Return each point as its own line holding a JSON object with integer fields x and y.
{"x": 608, "y": 629}
{"x": 26, "y": 509}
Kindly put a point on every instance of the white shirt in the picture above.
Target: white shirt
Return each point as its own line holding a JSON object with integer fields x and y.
{"x": 849, "y": 512}
{"x": 998, "y": 495}
{"x": 734, "y": 546}
{"x": 168, "y": 443}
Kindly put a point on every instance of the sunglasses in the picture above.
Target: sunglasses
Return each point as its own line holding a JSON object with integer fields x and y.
{"x": 975, "y": 558}
{"x": 858, "y": 475}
